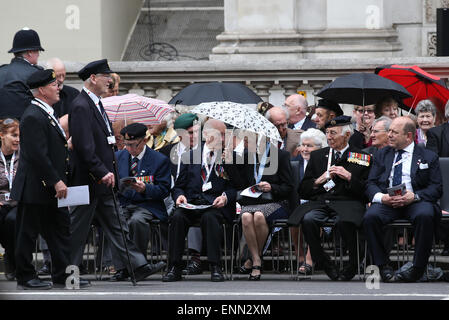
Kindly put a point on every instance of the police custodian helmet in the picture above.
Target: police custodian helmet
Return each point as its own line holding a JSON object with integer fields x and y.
{"x": 26, "y": 39}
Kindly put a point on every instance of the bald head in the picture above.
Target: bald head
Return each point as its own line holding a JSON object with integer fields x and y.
{"x": 57, "y": 65}
{"x": 402, "y": 132}
{"x": 278, "y": 116}
{"x": 214, "y": 133}
{"x": 297, "y": 108}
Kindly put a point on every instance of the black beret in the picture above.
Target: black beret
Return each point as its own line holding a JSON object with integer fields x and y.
{"x": 185, "y": 121}
{"x": 94, "y": 67}
{"x": 338, "y": 121}
{"x": 41, "y": 78}
{"x": 134, "y": 131}
{"x": 330, "y": 105}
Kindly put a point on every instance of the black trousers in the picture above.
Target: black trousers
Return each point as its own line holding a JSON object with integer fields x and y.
{"x": 53, "y": 224}
{"x": 8, "y": 217}
{"x": 314, "y": 220}
{"x": 421, "y": 214}
{"x": 210, "y": 220}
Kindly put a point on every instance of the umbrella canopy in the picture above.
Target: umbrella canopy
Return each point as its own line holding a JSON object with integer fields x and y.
{"x": 361, "y": 89}
{"x": 421, "y": 84}
{"x": 197, "y": 93}
{"x": 239, "y": 116}
{"x": 132, "y": 107}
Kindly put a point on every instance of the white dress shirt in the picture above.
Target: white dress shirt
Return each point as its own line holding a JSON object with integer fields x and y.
{"x": 406, "y": 170}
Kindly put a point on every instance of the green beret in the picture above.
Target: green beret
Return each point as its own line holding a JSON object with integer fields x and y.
{"x": 185, "y": 121}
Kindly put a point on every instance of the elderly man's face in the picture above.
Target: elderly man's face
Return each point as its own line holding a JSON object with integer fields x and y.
{"x": 135, "y": 146}
{"x": 379, "y": 136}
{"x": 280, "y": 122}
{"x": 335, "y": 139}
{"x": 397, "y": 138}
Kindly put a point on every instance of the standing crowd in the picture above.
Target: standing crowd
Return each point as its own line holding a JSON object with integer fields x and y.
{"x": 188, "y": 174}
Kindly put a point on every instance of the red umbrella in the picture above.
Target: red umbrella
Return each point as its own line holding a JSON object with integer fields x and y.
{"x": 420, "y": 84}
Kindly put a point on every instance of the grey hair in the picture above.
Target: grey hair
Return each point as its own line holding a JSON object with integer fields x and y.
{"x": 169, "y": 118}
{"x": 426, "y": 106}
{"x": 51, "y": 63}
{"x": 386, "y": 121}
{"x": 287, "y": 114}
{"x": 317, "y": 136}
{"x": 347, "y": 128}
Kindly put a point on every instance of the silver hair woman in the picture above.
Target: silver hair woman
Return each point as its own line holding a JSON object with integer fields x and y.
{"x": 426, "y": 114}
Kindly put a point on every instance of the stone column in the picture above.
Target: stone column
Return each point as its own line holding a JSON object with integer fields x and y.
{"x": 262, "y": 89}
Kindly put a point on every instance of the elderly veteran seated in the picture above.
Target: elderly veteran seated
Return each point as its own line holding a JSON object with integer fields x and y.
{"x": 142, "y": 200}
{"x": 163, "y": 134}
{"x": 333, "y": 182}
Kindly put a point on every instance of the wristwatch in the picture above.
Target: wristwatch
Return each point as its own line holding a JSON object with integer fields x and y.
{"x": 416, "y": 198}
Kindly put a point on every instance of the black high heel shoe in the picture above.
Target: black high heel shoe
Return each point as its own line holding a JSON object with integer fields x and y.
{"x": 255, "y": 278}
{"x": 244, "y": 270}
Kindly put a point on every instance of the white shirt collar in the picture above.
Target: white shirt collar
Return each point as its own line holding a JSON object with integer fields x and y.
{"x": 410, "y": 148}
{"x": 343, "y": 150}
{"x": 140, "y": 155}
{"x": 92, "y": 95}
{"x": 46, "y": 106}
{"x": 299, "y": 124}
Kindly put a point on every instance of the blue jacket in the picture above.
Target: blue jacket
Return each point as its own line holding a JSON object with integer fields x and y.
{"x": 152, "y": 164}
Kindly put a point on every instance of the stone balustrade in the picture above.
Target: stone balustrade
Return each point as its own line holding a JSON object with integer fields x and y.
{"x": 271, "y": 80}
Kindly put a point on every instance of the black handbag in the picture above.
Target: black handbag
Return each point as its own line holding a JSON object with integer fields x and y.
{"x": 265, "y": 197}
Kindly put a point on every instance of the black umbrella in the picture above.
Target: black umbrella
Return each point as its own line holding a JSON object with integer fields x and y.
{"x": 362, "y": 89}
{"x": 197, "y": 93}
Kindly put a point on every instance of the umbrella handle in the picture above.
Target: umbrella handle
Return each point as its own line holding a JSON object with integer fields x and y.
{"x": 414, "y": 99}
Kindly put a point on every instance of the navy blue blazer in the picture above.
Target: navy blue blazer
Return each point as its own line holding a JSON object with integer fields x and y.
{"x": 153, "y": 164}
{"x": 308, "y": 124}
{"x": 189, "y": 184}
{"x": 426, "y": 182}
{"x": 300, "y": 160}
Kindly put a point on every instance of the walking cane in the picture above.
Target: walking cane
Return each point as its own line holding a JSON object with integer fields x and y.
{"x": 133, "y": 278}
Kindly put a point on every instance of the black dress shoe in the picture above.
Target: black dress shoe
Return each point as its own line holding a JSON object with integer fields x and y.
{"x": 256, "y": 277}
{"x": 215, "y": 274}
{"x": 120, "y": 275}
{"x": 84, "y": 283}
{"x": 386, "y": 273}
{"x": 45, "y": 270}
{"x": 330, "y": 269}
{"x": 148, "y": 269}
{"x": 410, "y": 275}
{"x": 192, "y": 268}
{"x": 34, "y": 284}
{"x": 348, "y": 273}
{"x": 173, "y": 274}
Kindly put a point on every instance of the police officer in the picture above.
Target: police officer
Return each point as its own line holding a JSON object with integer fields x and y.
{"x": 15, "y": 95}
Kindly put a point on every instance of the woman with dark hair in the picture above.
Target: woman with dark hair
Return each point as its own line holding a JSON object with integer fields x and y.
{"x": 9, "y": 152}
{"x": 387, "y": 106}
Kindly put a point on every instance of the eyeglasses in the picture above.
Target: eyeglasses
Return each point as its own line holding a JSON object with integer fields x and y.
{"x": 378, "y": 131}
{"x": 366, "y": 110}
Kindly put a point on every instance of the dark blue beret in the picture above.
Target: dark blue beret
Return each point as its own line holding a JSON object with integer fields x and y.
{"x": 134, "y": 131}
{"x": 41, "y": 78}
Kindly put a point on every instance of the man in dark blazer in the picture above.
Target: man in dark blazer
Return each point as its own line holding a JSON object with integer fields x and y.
{"x": 41, "y": 179}
{"x": 203, "y": 182}
{"x": 333, "y": 182}
{"x": 142, "y": 200}
{"x": 297, "y": 109}
{"x": 94, "y": 164}
{"x": 418, "y": 168}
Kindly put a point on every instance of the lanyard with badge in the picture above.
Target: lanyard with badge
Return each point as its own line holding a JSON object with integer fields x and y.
{"x": 207, "y": 185}
{"x": 329, "y": 184}
{"x": 43, "y": 107}
{"x": 9, "y": 175}
{"x": 111, "y": 137}
{"x": 263, "y": 162}
{"x": 404, "y": 158}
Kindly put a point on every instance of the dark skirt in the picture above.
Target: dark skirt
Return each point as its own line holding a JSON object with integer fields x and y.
{"x": 271, "y": 210}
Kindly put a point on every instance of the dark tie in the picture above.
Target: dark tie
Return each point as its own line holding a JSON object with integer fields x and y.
{"x": 397, "y": 174}
{"x": 337, "y": 155}
{"x": 291, "y": 126}
{"x": 133, "y": 167}
{"x": 103, "y": 114}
